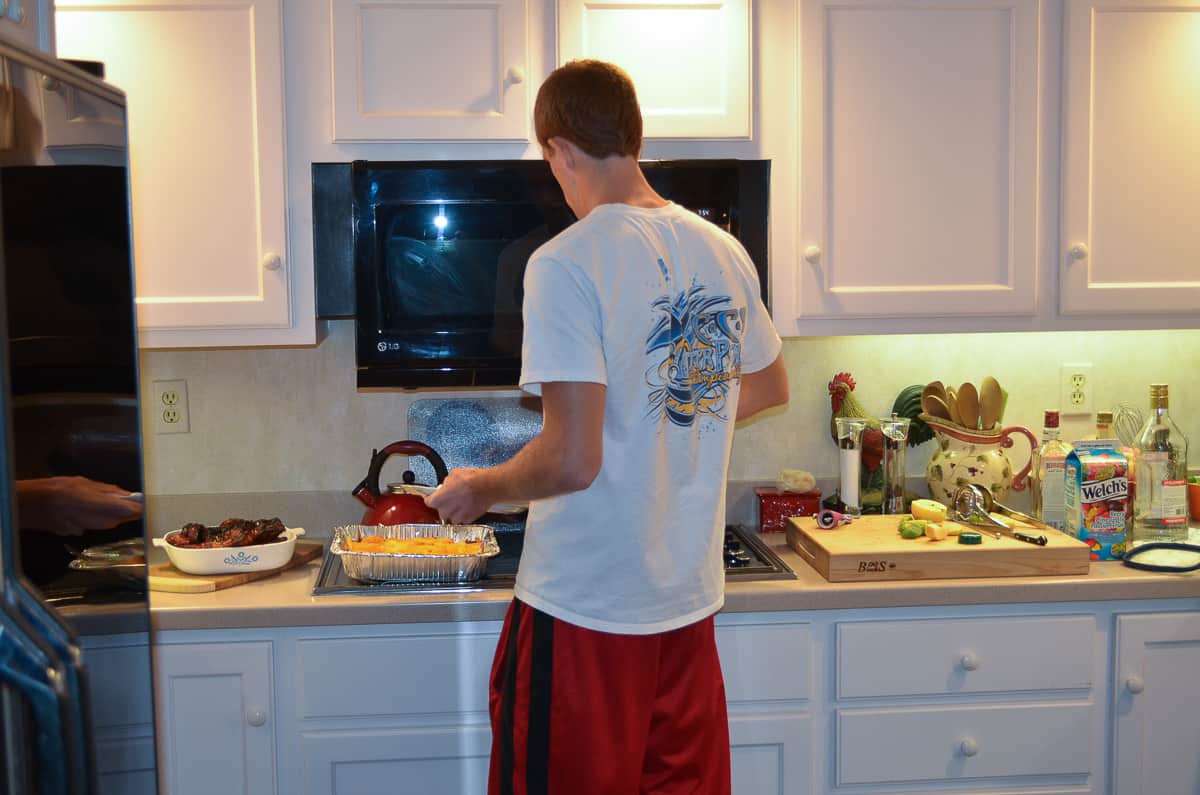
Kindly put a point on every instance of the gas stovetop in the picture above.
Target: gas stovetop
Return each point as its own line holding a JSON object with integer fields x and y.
{"x": 747, "y": 558}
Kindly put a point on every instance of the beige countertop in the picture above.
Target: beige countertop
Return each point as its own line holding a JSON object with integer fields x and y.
{"x": 287, "y": 600}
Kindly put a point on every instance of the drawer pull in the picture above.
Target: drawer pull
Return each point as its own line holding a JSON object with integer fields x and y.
{"x": 969, "y": 661}
{"x": 968, "y": 747}
{"x": 1135, "y": 684}
{"x": 256, "y": 717}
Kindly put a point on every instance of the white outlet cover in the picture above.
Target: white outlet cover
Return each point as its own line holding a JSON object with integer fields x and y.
{"x": 169, "y": 407}
{"x": 1076, "y": 389}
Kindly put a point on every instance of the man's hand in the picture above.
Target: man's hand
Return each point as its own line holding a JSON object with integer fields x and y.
{"x": 71, "y": 505}
{"x": 463, "y": 497}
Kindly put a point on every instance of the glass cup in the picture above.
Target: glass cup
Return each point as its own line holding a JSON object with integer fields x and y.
{"x": 849, "y": 433}
{"x": 895, "y": 440}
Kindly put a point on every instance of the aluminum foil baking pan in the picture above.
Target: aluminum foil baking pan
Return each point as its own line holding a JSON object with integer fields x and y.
{"x": 395, "y": 567}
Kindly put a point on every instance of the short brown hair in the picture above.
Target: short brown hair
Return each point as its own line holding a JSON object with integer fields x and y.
{"x": 593, "y": 105}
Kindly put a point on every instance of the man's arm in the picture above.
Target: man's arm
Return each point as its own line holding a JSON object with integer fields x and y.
{"x": 763, "y": 389}
{"x": 564, "y": 457}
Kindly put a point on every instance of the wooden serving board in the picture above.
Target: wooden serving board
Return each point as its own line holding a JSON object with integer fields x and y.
{"x": 165, "y": 577}
{"x": 870, "y": 548}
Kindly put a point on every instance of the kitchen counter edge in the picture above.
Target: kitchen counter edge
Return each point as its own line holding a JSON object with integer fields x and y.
{"x": 287, "y": 601}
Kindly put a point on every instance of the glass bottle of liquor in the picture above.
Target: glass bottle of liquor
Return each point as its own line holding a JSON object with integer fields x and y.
{"x": 1049, "y": 476}
{"x": 1160, "y": 498}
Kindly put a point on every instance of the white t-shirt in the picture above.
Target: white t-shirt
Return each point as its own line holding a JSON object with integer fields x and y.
{"x": 663, "y": 308}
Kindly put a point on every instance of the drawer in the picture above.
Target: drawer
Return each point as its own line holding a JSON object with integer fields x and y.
{"x": 394, "y": 676}
{"x": 959, "y": 743}
{"x": 951, "y": 656}
{"x": 765, "y": 662}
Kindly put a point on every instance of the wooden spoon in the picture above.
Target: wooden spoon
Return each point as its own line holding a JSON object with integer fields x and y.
{"x": 968, "y": 406}
{"x": 934, "y": 388}
{"x": 990, "y": 400}
{"x": 952, "y": 404}
{"x": 934, "y": 406}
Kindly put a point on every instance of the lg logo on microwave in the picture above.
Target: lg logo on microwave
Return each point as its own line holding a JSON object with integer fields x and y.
{"x": 384, "y": 347}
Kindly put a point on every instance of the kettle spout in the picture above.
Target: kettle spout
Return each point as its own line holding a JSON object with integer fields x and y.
{"x": 364, "y": 493}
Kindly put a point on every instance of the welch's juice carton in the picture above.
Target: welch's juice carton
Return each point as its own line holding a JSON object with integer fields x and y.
{"x": 1097, "y": 498}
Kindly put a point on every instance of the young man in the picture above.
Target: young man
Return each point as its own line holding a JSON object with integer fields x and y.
{"x": 646, "y": 338}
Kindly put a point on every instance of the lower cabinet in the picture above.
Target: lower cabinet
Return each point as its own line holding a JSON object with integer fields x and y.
{"x": 1156, "y": 704}
{"x": 122, "y": 716}
{"x": 998, "y": 699}
{"x": 215, "y": 724}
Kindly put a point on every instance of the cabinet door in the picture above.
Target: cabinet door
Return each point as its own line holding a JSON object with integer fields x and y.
{"x": 1131, "y": 178}
{"x": 29, "y": 22}
{"x": 215, "y": 725}
{"x": 918, "y": 185}
{"x": 1156, "y": 704}
{"x": 690, "y": 61}
{"x": 414, "y": 70}
{"x": 204, "y": 80}
{"x": 771, "y": 754}
{"x": 451, "y": 760}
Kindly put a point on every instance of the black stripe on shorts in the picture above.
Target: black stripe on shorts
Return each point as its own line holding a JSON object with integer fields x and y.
{"x": 537, "y": 758}
{"x": 508, "y": 695}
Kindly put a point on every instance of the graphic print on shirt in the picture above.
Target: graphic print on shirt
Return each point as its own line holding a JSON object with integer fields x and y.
{"x": 699, "y": 337}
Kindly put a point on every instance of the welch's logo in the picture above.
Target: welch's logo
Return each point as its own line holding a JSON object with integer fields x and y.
{"x": 1102, "y": 490}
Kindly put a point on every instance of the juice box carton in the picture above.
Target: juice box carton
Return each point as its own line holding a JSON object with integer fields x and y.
{"x": 1097, "y": 499}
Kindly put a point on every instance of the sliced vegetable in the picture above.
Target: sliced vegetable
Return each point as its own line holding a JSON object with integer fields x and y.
{"x": 936, "y": 531}
{"x": 932, "y": 510}
{"x": 913, "y": 528}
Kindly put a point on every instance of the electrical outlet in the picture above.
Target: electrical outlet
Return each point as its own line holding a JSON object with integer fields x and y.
{"x": 170, "y": 407}
{"x": 1076, "y": 389}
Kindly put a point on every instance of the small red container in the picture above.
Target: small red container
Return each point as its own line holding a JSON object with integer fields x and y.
{"x": 775, "y": 506}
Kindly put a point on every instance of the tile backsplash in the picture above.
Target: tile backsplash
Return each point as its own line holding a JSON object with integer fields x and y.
{"x": 292, "y": 420}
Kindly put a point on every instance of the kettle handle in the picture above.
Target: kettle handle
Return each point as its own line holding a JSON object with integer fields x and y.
{"x": 371, "y": 482}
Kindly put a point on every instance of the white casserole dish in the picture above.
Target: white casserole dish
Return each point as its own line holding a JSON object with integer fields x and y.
{"x": 231, "y": 560}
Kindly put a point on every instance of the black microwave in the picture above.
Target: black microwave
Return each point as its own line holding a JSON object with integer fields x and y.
{"x": 437, "y": 251}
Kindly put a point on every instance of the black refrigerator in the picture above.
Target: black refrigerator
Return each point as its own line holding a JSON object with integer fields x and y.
{"x": 76, "y": 703}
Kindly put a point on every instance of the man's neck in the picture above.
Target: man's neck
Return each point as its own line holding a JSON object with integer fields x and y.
{"x": 617, "y": 180}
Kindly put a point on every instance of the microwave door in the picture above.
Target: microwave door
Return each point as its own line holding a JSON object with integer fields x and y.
{"x": 43, "y": 725}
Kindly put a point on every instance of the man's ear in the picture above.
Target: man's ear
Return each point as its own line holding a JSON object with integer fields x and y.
{"x": 566, "y": 150}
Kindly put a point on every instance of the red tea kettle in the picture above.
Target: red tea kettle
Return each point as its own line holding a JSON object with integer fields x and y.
{"x": 396, "y": 506}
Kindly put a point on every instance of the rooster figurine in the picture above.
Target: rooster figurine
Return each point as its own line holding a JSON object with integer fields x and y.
{"x": 844, "y": 404}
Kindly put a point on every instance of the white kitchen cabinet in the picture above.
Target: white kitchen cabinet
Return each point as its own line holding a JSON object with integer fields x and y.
{"x": 691, "y": 62}
{"x": 918, "y": 162}
{"x": 415, "y": 71}
{"x": 1131, "y": 180}
{"x": 204, "y": 81}
{"x": 122, "y": 717}
{"x": 30, "y": 22}
{"x": 216, "y": 724}
{"x": 1156, "y": 703}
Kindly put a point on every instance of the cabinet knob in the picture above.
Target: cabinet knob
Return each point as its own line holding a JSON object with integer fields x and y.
{"x": 968, "y": 747}
{"x": 1135, "y": 684}
{"x": 969, "y": 661}
{"x": 515, "y": 74}
{"x": 256, "y": 717}
{"x": 49, "y": 83}
{"x": 272, "y": 261}
{"x": 812, "y": 254}
{"x": 1078, "y": 251}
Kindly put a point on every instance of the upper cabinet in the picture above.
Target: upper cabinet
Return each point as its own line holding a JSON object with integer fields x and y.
{"x": 918, "y": 160}
{"x": 30, "y": 22}
{"x": 1131, "y": 175}
{"x": 412, "y": 70}
{"x": 691, "y": 61}
{"x": 204, "y": 80}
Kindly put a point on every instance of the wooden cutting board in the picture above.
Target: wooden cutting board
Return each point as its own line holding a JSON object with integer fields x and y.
{"x": 165, "y": 577}
{"x": 870, "y": 548}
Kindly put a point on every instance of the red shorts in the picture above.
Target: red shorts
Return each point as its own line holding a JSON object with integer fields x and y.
{"x": 580, "y": 712}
